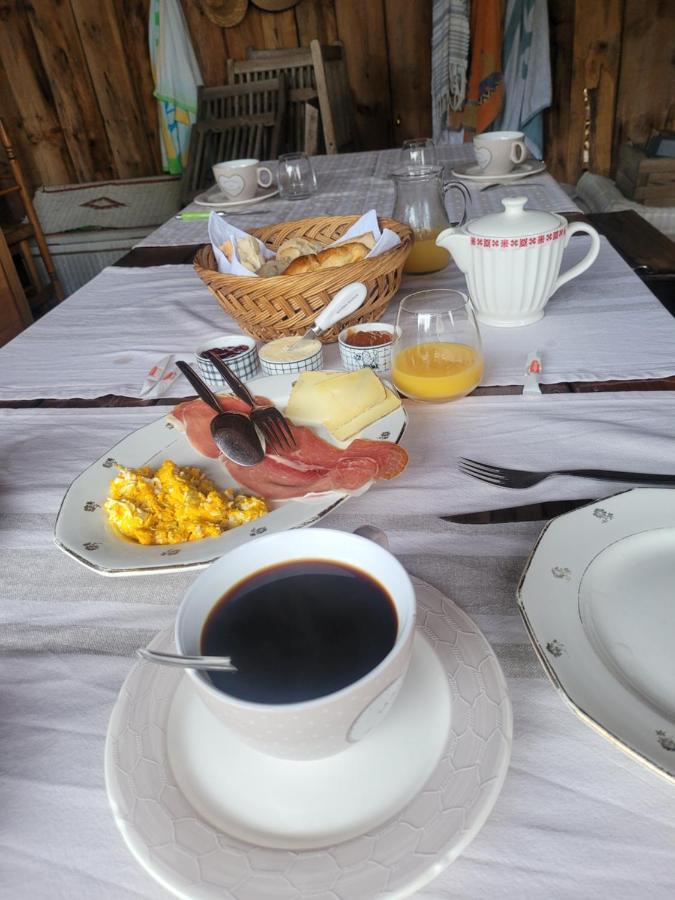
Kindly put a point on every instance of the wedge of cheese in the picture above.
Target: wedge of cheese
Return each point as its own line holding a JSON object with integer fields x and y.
{"x": 343, "y": 402}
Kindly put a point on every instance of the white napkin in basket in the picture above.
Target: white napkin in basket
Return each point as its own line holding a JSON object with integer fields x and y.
{"x": 220, "y": 230}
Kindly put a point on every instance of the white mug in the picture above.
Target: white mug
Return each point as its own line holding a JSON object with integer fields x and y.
{"x": 239, "y": 179}
{"x": 319, "y": 727}
{"x": 497, "y": 152}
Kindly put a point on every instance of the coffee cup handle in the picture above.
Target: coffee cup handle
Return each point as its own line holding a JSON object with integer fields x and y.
{"x": 270, "y": 178}
{"x": 518, "y": 152}
{"x": 587, "y": 261}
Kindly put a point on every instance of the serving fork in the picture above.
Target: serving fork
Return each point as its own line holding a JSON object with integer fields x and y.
{"x": 271, "y": 421}
{"x": 520, "y": 478}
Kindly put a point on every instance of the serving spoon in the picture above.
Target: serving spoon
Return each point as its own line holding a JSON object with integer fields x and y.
{"x": 233, "y": 432}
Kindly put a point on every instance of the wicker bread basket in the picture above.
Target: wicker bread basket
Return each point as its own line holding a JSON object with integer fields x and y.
{"x": 268, "y": 308}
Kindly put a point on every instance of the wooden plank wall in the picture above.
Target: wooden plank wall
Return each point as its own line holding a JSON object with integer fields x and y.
{"x": 613, "y": 65}
{"x": 76, "y": 86}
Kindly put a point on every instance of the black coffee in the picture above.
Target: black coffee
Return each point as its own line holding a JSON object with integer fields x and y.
{"x": 299, "y": 630}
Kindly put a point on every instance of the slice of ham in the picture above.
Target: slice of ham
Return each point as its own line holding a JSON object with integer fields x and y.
{"x": 314, "y": 466}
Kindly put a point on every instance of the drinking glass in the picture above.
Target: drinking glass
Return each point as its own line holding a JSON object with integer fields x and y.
{"x": 296, "y": 176}
{"x": 418, "y": 152}
{"x": 438, "y": 356}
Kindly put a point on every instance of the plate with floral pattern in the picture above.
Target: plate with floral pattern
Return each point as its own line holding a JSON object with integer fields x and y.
{"x": 83, "y": 532}
{"x": 598, "y": 600}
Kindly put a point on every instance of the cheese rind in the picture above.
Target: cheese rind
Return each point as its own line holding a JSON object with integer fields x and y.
{"x": 343, "y": 402}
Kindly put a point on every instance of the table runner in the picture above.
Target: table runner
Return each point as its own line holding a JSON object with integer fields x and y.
{"x": 352, "y": 183}
{"x": 604, "y": 324}
{"x": 576, "y": 816}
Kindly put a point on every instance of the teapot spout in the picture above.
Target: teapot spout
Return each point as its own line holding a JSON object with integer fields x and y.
{"x": 457, "y": 244}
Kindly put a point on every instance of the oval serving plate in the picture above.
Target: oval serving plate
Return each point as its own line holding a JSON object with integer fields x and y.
{"x": 82, "y": 529}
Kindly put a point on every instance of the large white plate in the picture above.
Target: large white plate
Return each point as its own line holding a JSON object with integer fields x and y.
{"x": 598, "y": 598}
{"x": 473, "y": 172}
{"x": 211, "y": 820}
{"x": 82, "y": 529}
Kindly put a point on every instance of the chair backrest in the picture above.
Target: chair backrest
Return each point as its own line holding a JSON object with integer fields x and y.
{"x": 316, "y": 76}
{"x": 233, "y": 122}
{"x": 19, "y": 188}
{"x": 335, "y": 99}
{"x": 296, "y": 65}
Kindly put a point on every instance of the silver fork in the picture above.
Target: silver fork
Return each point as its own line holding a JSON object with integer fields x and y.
{"x": 270, "y": 420}
{"x": 519, "y": 478}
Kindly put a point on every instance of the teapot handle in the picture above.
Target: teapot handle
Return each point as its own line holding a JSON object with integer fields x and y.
{"x": 587, "y": 261}
{"x": 466, "y": 197}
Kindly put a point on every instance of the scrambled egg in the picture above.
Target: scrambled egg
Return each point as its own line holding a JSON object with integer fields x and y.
{"x": 175, "y": 504}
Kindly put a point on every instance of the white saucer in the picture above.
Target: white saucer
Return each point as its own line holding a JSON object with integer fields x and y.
{"x": 473, "y": 172}
{"x": 209, "y": 817}
{"x": 215, "y": 197}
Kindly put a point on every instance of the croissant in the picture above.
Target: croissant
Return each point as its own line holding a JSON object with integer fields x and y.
{"x": 331, "y": 258}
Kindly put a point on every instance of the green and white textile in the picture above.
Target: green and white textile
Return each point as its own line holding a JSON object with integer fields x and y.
{"x": 176, "y": 74}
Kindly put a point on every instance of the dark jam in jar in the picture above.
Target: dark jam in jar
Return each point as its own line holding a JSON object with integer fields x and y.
{"x": 226, "y": 352}
{"x": 367, "y": 338}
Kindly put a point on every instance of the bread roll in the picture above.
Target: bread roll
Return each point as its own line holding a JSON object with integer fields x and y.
{"x": 367, "y": 239}
{"x": 292, "y": 248}
{"x": 331, "y": 258}
{"x": 272, "y": 267}
{"x": 248, "y": 252}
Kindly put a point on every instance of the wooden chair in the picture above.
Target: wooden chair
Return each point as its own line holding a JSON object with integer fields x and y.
{"x": 317, "y": 81}
{"x": 15, "y": 313}
{"x": 233, "y": 122}
{"x": 17, "y": 236}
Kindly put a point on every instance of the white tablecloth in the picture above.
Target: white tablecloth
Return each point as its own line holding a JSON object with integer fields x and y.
{"x": 352, "y": 183}
{"x": 576, "y": 817}
{"x": 604, "y": 324}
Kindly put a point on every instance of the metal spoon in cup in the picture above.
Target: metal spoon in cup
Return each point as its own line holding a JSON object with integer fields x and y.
{"x": 233, "y": 432}
{"x": 223, "y": 663}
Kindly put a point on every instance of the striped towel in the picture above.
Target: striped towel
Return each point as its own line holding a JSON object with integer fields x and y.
{"x": 449, "y": 59}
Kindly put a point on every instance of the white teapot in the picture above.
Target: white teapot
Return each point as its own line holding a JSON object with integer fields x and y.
{"x": 511, "y": 260}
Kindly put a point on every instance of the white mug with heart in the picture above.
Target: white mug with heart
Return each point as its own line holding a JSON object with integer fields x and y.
{"x": 239, "y": 179}
{"x": 497, "y": 152}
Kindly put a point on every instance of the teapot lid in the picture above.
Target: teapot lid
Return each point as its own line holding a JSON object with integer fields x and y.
{"x": 515, "y": 221}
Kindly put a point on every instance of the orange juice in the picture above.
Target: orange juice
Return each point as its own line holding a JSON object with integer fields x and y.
{"x": 425, "y": 256}
{"x": 438, "y": 370}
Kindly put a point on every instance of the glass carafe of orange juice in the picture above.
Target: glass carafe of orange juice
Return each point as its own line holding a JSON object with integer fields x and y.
{"x": 438, "y": 355}
{"x": 420, "y": 203}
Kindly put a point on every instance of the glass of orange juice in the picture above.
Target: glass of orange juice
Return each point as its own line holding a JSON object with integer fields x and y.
{"x": 438, "y": 356}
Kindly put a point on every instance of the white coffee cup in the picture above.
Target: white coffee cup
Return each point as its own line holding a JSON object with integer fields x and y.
{"x": 497, "y": 152}
{"x": 239, "y": 179}
{"x": 320, "y": 727}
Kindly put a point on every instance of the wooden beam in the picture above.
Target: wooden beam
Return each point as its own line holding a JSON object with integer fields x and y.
{"x": 316, "y": 21}
{"x": 595, "y": 70}
{"x": 106, "y": 59}
{"x": 36, "y": 132}
{"x": 132, "y": 20}
{"x": 209, "y": 44}
{"x": 647, "y": 76}
{"x": 362, "y": 30}
{"x": 409, "y": 51}
{"x": 61, "y": 54}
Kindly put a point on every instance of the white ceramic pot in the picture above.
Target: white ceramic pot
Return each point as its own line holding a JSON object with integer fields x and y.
{"x": 512, "y": 259}
{"x": 326, "y": 725}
